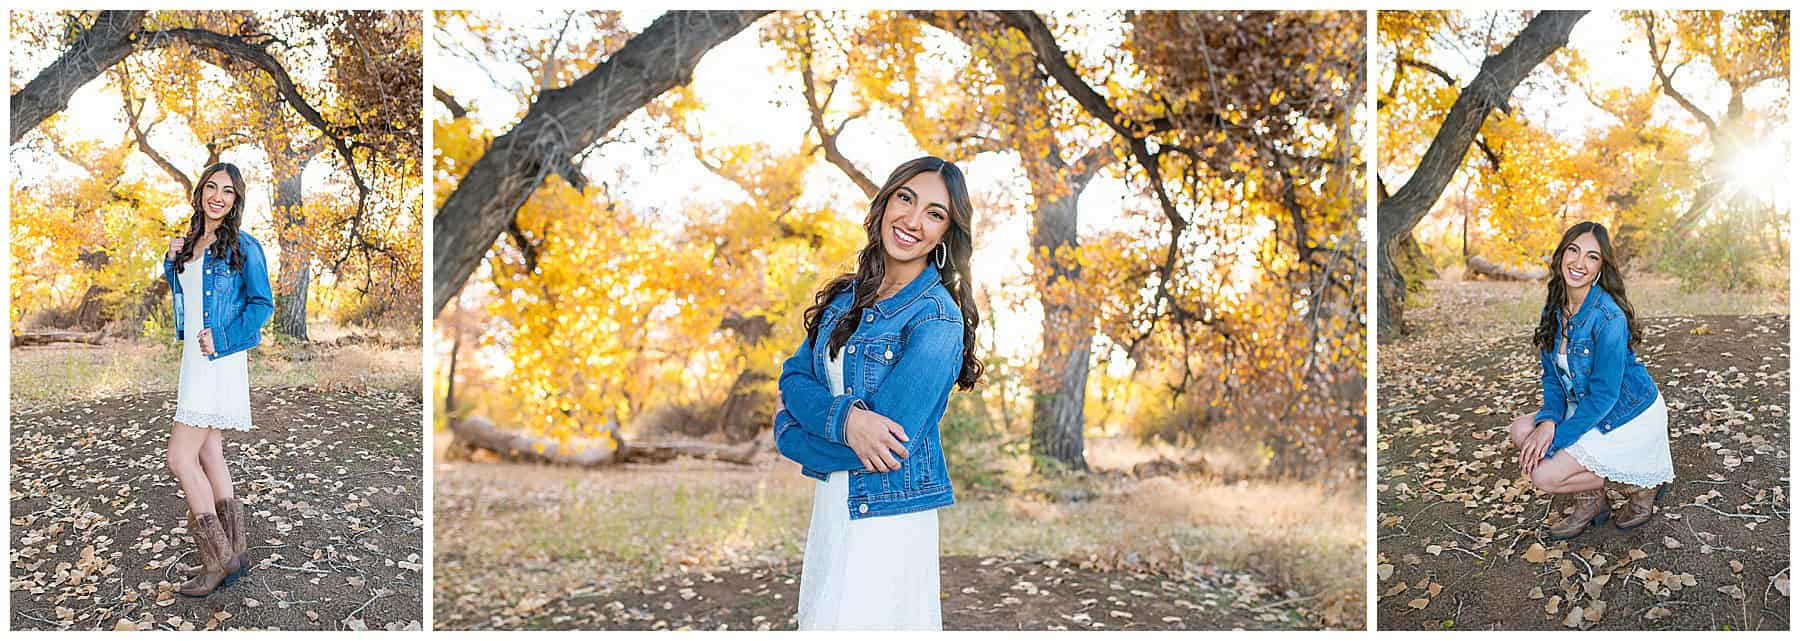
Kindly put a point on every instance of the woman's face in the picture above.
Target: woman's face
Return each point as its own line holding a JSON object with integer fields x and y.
{"x": 916, "y": 218}
{"x": 1581, "y": 261}
{"x": 217, "y": 196}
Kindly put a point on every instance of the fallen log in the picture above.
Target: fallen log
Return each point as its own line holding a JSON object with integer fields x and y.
{"x": 26, "y": 339}
{"x": 480, "y": 433}
{"x": 1481, "y": 265}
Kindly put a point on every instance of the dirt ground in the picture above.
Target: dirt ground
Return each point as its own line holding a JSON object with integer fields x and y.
{"x": 1460, "y": 534}
{"x": 707, "y": 546}
{"x": 992, "y": 593}
{"x": 331, "y": 486}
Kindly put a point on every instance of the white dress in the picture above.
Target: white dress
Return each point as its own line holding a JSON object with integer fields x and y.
{"x": 877, "y": 573}
{"x": 212, "y": 393}
{"x": 1636, "y": 453}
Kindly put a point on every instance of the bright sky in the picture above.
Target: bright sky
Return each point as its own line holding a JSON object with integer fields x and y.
{"x": 748, "y": 100}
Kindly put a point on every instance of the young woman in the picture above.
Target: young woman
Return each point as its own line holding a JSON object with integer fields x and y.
{"x": 861, "y": 399}
{"x": 221, "y": 287}
{"x": 1603, "y": 419}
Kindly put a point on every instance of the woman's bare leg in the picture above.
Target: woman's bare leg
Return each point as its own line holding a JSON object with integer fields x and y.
{"x": 1521, "y": 428}
{"x": 212, "y": 461}
{"x": 185, "y": 443}
{"x": 1562, "y": 474}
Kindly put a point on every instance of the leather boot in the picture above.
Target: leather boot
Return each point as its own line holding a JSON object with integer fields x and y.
{"x": 231, "y": 514}
{"x": 215, "y": 548}
{"x": 231, "y": 518}
{"x": 1640, "y": 504}
{"x": 1591, "y": 507}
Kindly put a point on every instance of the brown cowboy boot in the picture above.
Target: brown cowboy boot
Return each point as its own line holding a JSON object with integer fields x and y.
{"x": 231, "y": 514}
{"x": 215, "y": 548}
{"x": 231, "y": 518}
{"x": 1591, "y": 507}
{"x": 1640, "y": 504}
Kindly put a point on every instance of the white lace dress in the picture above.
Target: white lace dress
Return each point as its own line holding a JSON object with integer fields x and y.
{"x": 878, "y": 573}
{"x": 212, "y": 393}
{"x": 1636, "y": 453}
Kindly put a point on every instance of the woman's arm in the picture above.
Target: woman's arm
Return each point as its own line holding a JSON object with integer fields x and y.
{"x": 808, "y": 401}
{"x": 916, "y": 390}
{"x": 1555, "y": 405}
{"x": 809, "y": 450}
{"x": 1611, "y": 354}
{"x": 259, "y": 301}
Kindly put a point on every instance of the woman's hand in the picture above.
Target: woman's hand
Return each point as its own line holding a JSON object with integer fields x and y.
{"x": 206, "y": 342}
{"x": 1531, "y": 452}
{"x": 175, "y": 245}
{"x": 875, "y": 439}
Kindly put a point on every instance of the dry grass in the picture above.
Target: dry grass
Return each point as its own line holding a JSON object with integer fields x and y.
{"x": 638, "y": 522}
{"x": 1517, "y": 304}
{"x": 54, "y": 374}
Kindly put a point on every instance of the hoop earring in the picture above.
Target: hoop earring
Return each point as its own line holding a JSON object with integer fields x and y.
{"x": 941, "y": 255}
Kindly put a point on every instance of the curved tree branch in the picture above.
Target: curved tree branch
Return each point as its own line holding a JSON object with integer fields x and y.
{"x": 1500, "y": 74}
{"x": 560, "y": 124}
{"x": 102, "y": 45}
{"x": 1665, "y": 78}
{"x": 828, "y": 137}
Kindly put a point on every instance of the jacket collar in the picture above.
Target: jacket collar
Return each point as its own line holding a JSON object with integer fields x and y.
{"x": 926, "y": 279}
{"x": 1597, "y": 299}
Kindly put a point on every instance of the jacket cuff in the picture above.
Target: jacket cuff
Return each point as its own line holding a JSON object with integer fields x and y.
{"x": 1545, "y": 415}
{"x": 835, "y": 417}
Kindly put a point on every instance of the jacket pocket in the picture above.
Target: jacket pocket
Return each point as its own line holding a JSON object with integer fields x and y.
{"x": 878, "y": 358}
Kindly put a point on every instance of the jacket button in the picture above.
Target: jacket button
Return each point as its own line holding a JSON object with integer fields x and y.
{"x": 849, "y": 390}
{"x": 864, "y": 508}
{"x": 889, "y": 355}
{"x": 852, "y": 349}
{"x": 869, "y": 318}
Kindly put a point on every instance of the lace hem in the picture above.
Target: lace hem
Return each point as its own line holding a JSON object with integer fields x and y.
{"x": 1640, "y": 478}
{"x": 212, "y": 421}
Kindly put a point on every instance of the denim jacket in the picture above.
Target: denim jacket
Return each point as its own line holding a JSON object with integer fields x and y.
{"x": 238, "y": 302}
{"x": 901, "y": 363}
{"x": 1606, "y": 382}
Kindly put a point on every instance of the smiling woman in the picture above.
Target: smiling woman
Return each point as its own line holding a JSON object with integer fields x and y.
{"x": 222, "y": 300}
{"x": 222, "y": 211}
{"x": 866, "y": 425}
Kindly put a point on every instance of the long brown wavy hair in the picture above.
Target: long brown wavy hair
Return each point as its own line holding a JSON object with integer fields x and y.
{"x": 1610, "y": 280}
{"x": 870, "y": 268}
{"x": 225, "y": 238}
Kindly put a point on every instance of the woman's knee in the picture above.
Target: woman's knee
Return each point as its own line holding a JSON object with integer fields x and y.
{"x": 1520, "y": 428}
{"x": 180, "y": 462}
{"x": 1545, "y": 480}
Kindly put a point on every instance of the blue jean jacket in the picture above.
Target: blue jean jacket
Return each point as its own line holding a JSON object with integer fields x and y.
{"x": 238, "y": 302}
{"x": 1606, "y": 382}
{"x": 900, "y": 363}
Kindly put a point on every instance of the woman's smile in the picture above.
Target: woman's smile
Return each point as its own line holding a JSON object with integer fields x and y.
{"x": 1576, "y": 273}
{"x": 903, "y": 240}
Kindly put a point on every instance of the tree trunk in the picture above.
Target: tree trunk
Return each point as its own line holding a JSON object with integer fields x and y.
{"x": 560, "y": 124}
{"x": 296, "y": 261}
{"x": 101, "y": 46}
{"x": 1397, "y": 214}
{"x": 24, "y": 339}
{"x": 480, "y": 433}
{"x": 1482, "y": 266}
{"x": 1060, "y": 398}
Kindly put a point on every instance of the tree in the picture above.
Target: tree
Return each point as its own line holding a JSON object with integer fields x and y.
{"x": 361, "y": 109}
{"x": 1200, "y": 135}
{"x": 1488, "y": 91}
{"x": 561, "y": 124}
